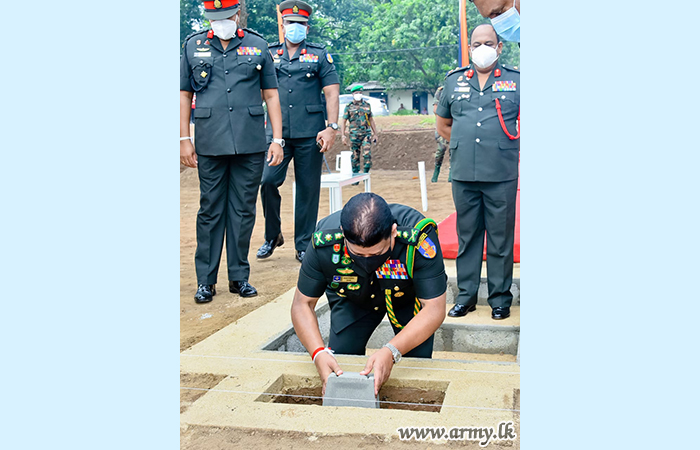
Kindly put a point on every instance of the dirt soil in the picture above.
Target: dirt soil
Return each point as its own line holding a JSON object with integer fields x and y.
{"x": 394, "y": 176}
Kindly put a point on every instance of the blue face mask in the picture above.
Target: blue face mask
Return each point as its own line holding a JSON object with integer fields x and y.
{"x": 507, "y": 25}
{"x": 295, "y": 32}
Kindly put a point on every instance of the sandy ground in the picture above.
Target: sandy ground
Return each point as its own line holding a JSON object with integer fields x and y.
{"x": 398, "y": 149}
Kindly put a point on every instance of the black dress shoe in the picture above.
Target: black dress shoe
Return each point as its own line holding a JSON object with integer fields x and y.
{"x": 265, "y": 251}
{"x": 461, "y": 310}
{"x": 205, "y": 293}
{"x": 242, "y": 288}
{"x": 300, "y": 255}
{"x": 500, "y": 313}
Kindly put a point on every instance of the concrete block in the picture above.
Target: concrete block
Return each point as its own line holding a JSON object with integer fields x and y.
{"x": 350, "y": 389}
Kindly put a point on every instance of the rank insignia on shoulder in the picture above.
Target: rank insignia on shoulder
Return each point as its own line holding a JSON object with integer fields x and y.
{"x": 338, "y": 236}
{"x": 328, "y": 237}
{"x": 325, "y": 238}
{"x": 427, "y": 248}
{"x": 336, "y": 258}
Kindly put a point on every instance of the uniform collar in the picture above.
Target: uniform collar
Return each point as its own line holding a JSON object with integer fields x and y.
{"x": 233, "y": 43}
{"x": 302, "y": 46}
{"x": 474, "y": 81}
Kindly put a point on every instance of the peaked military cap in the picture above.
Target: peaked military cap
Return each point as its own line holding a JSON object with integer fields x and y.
{"x": 295, "y": 11}
{"x": 220, "y": 9}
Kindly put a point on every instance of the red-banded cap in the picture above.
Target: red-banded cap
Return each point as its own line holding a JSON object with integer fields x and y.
{"x": 295, "y": 11}
{"x": 220, "y": 9}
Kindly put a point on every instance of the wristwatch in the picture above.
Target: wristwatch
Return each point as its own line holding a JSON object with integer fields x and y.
{"x": 334, "y": 126}
{"x": 278, "y": 141}
{"x": 395, "y": 352}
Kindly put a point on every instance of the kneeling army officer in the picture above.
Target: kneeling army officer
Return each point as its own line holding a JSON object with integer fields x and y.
{"x": 371, "y": 259}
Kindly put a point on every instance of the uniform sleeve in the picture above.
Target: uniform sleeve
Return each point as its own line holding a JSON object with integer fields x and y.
{"x": 268, "y": 74}
{"x": 437, "y": 96}
{"x": 327, "y": 71}
{"x": 185, "y": 72}
{"x": 443, "y": 108}
{"x": 369, "y": 112}
{"x": 429, "y": 278}
{"x": 345, "y": 114}
{"x": 311, "y": 282}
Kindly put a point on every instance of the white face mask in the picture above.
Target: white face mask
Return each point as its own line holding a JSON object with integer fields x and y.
{"x": 483, "y": 56}
{"x": 357, "y": 97}
{"x": 224, "y": 29}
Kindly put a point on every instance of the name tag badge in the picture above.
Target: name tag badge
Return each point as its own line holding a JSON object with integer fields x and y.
{"x": 462, "y": 89}
{"x": 202, "y": 54}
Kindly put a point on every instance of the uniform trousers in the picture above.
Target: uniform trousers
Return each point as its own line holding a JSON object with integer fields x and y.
{"x": 308, "y": 161}
{"x": 490, "y": 207}
{"x": 352, "y": 340}
{"x": 228, "y": 188}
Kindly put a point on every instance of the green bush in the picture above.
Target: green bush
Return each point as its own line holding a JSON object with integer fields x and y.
{"x": 405, "y": 112}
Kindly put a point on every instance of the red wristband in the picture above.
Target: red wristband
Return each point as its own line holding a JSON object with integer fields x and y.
{"x": 316, "y": 351}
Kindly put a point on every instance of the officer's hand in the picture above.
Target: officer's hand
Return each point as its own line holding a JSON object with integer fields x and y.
{"x": 327, "y": 138}
{"x": 325, "y": 365}
{"x": 382, "y": 361}
{"x": 345, "y": 140}
{"x": 375, "y": 139}
{"x": 275, "y": 154}
{"x": 187, "y": 155}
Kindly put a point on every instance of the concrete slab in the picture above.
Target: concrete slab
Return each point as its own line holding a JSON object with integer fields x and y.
{"x": 478, "y": 393}
{"x": 350, "y": 389}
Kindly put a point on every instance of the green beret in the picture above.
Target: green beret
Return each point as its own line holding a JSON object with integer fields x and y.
{"x": 356, "y": 88}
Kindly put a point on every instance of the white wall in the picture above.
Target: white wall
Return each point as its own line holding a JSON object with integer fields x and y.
{"x": 405, "y": 96}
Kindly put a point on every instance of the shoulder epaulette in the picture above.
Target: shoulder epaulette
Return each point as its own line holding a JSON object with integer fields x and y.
{"x": 191, "y": 35}
{"x": 511, "y": 68}
{"x": 311, "y": 44}
{"x": 408, "y": 235}
{"x": 456, "y": 70}
{"x": 276, "y": 44}
{"x": 251, "y": 31}
{"x": 324, "y": 238}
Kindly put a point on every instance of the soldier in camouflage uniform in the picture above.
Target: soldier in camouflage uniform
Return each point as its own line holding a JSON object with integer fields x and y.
{"x": 442, "y": 144}
{"x": 358, "y": 114}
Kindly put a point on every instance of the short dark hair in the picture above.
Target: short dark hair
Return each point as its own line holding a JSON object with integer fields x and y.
{"x": 498, "y": 38}
{"x": 366, "y": 220}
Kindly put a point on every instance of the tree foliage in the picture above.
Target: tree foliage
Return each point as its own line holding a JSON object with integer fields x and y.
{"x": 400, "y": 43}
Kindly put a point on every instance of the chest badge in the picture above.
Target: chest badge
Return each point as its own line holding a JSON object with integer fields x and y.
{"x": 504, "y": 86}
{"x": 336, "y": 258}
{"x": 353, "y": 287}
{"x": 345, "y": 260}
{"x": 393, "y": 269}
{"x": 345, "y": 271}
{"x": 203, "y": 74}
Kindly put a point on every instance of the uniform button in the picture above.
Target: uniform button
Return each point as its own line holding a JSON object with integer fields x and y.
{"x": 478, "y": 140}
{"x": 225, "y": 55}
{"x": 201, "y": 62}
{"x": 478, "y": 124}
{"x": 290, "y": 75}
{"x": 376, "y": 308}
{"x": 226, "y": 72}
{"x": 503, "y": 97}
{"x": 228, "y": 90}
{"x": 481, "y": 93}
{"x": 290, "y": 106}
{"x": 230, "y": 109}
{"x": 290, "y": 90}
{"x": 480, "y": 108}
{"x": 290, "y": 63}
{"x": 372, "y": 295}
{"x": 371, "y": 282}
{"x": 250, "y": 59}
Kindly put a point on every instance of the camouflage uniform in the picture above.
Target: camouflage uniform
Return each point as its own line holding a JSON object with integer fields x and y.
{"x": 442, "y": 146}
{"x": 357, "y": 115}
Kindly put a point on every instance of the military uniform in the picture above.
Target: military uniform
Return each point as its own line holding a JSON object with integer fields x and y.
{"x": 442, "y": 144}
{"x": 359, "y": 300}
{"x": 360, "y": 130}
{"x": 302, "y": 78}
{"x": 484, "y": 163}
{"x": 229, "y": 141}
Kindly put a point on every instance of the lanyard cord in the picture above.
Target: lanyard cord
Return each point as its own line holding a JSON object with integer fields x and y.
{"x": 503, "y": 124}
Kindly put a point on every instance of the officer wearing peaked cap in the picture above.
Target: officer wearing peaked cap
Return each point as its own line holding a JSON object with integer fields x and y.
{"x": 228, "y": 67}
{"x": 304, "y": 70}
{"x": 372, "y": 259}
{"x": 478, "y": 114}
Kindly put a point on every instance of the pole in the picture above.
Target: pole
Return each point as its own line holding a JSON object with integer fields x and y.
{"x": 423, "y": 185}
{"x": 463, "y": 35}
{"x": 280, "y": 30}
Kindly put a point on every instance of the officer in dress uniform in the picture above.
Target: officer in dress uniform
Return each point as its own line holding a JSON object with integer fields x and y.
{"x": 303, "y": 70}
{"x": 478, "y": 113}
{"x": 372, "y": 259}
{"x": 227, "y": 67}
